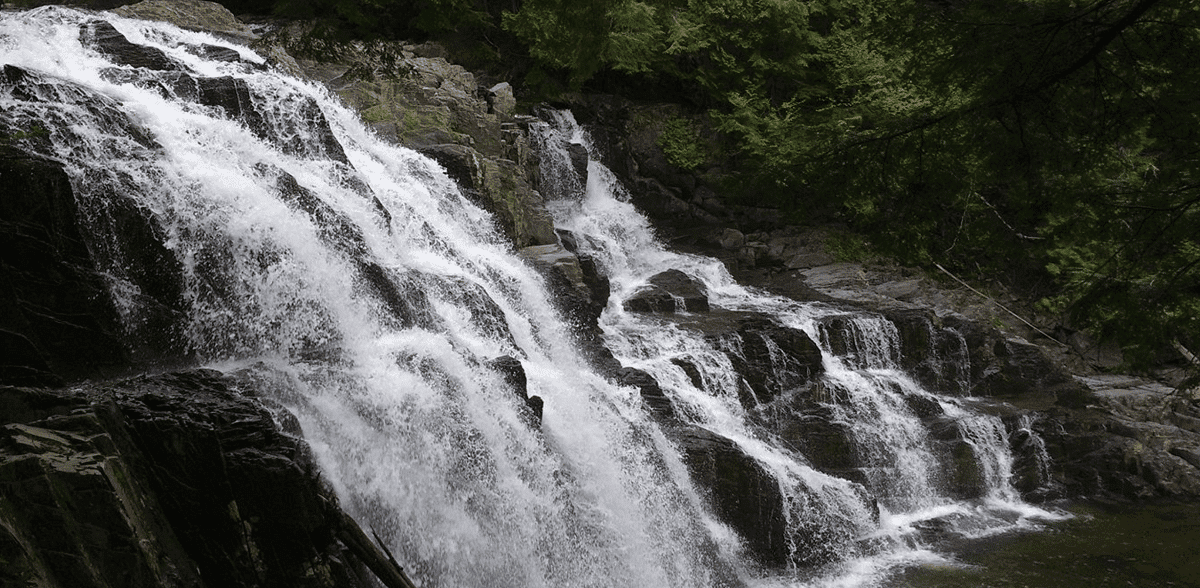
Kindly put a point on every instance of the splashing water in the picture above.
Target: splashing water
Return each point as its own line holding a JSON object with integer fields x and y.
{"x": 869, "y": 517}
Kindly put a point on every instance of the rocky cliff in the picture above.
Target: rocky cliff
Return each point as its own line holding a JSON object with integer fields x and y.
{"x": 180, "y": 479}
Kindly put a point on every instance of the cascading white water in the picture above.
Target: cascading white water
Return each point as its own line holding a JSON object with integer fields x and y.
{"x": 863, "y": 389}
{"x": 367, "y": 296}
{"x": 355, "y": 284}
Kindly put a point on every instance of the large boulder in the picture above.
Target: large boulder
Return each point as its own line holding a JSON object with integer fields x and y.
{"x": 195, "y": 15}
{"x": 742, "y": 493}
{"x": 669, "y": 291}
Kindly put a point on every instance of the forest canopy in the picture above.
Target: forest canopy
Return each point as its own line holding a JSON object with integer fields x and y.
{"x": 1049, "y": 144}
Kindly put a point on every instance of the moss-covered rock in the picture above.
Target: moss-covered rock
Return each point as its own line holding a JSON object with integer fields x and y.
{"x": 196, "y": 15}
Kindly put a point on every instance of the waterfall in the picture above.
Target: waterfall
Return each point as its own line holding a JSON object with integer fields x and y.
{"x": 349, "y": 278}
{"x": 898, "y": 486}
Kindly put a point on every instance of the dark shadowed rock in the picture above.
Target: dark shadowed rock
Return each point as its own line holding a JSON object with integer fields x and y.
{"x": 462, "y": 164}
{"x": 652, "y": 394}
{"x": 743, "y": 494}
{"x": 1016, "y": 370}
{"x": 669, "y": 291}
{"x": 103, "y": 37}
{"x": 826, "y": 442}
{"x": 579, "y": 161}
{"x": 575, "y": 280}
{"x": 173, "y": 480}
{"x": 59, "y": 321}
{"x": 771, "y": 358}
{"x": 514, "y": 376}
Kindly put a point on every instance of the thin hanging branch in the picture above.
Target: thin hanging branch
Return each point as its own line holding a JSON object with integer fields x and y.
{"x": 1001, "y": 306}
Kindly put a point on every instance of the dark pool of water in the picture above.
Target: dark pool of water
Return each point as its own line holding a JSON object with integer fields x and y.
{"x": 1147, "y": 546}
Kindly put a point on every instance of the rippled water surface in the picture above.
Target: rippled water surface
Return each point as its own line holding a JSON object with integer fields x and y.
{"x": 1143, "y": 546}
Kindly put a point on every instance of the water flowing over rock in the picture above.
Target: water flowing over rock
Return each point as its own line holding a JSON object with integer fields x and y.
{"x": 458, "y": 352}
{"x": 196, "y": 15}
{"x": 669, "y": 291}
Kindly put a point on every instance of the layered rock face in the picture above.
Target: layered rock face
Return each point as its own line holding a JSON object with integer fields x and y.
{"x": 182, "y": 479}
{"x": 59, "y": 322}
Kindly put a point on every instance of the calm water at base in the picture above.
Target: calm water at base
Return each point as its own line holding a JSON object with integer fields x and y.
{"x": 1144, "y": 546}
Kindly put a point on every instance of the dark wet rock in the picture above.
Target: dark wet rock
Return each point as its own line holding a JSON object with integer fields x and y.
{"x": 405, "y": 301}
{"x": 59, "y": 321}
{"x": 217, "y": 53}
{"x": 827, "y": 443}
{"x": 690, "y": 369}
{"x": 669, "y": 291}
{"x": 743, "y": 494}
{"x": 514, "y": 376}
{"x": 128, "y": 241}
{"x": 772, "y": 359}
{"x": 579, "y": 161}
{"x": 486, "y": 315}
{"x": 923, "y": 406}
{"x": 461, "y": 162}
{"x": 174, "y": 480}
{"x": 103, "y": 37}
{"x": 578, "y": 286}
{"x": 937, "y": 355}
{"x": 234, "y": 97}
{"x": 32, "y": 86}
{"x": 652, "y": 394}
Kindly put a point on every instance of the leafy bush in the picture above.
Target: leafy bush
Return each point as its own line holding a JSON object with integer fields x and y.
{"x": 681, "y": 143}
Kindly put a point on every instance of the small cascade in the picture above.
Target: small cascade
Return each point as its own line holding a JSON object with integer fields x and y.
{"x": 988, "y": 440}
{"x": 1034, "y": 445}
{"x": 861, "y": 341}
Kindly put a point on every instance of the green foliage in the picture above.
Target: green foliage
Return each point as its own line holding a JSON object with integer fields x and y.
{"x": 848, "y": 247}
{"x": 32, "y": 132}
{"x": 1050, "y": 143}
{"x": 389, "y": 18}
{"x": 681, "y": 143}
